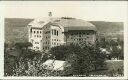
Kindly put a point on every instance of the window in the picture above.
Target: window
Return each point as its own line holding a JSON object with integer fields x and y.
{"x": 34, "y": 32}
{"x": 54, "y": 32}
{"x": 40, "y": 32}
{"x": 37, "y": 31}
{"x": 80, "y": 35}
{"x": 57, "y": 33}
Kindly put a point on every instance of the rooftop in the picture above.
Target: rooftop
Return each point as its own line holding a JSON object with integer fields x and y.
{"x": 55, "y": 64}
{"x": 67, "y": 23}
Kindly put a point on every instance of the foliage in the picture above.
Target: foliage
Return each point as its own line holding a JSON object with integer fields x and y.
{"x": 115, "y": 47}
{"x": 83, "y": 58}
{"x": 21, "y": 45}
{"x": 15, "y": 53}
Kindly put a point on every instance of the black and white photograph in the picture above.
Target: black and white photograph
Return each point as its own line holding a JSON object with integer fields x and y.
{"x": 64, "y": 39}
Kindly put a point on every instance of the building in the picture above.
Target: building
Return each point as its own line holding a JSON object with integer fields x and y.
{"x": 49, "y": 32}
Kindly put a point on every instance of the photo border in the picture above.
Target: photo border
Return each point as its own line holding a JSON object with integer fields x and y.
{"x": 125, "y": 55}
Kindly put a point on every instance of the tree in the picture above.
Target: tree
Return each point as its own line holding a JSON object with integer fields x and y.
{"x": 24, "y": 45}
{"x": 117, "y": 49}
{"x": 82, "y": 58}
{"x": 22, "y": 48}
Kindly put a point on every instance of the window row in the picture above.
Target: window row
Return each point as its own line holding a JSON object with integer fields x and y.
{"x": 79, "y": 39}
{"x": 80, "y": 33}
{"x": 36, "y": 47}
{"x": 72, "y": 37}
{"x": 55, "y": 40}
{"x": 38, "y": 36}
{"x": 37, "y": 32}
{"x": 54, "y": 32}
{"x": 46, "y": 42}
{"x": 54, "y": 43}
{"x": 46, "y": 48}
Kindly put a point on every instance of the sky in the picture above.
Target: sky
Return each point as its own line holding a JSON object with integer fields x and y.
{"x": 87, "y": 10}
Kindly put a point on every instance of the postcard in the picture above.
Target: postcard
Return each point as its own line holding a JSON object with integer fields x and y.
{"x": 63, "y": 40}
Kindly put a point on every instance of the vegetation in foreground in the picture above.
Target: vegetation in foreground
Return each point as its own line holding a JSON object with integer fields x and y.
{"x": 84, "y": 60}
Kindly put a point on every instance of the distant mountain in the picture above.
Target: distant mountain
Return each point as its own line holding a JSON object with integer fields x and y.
{"x": 16, "y": 29}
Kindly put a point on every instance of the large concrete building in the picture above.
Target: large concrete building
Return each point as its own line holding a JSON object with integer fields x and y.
{"x": 46, "y": 33}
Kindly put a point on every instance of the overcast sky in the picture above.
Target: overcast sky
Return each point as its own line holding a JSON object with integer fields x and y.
{"x": 90, "y": 11}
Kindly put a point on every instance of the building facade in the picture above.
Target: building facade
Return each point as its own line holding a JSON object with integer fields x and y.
{"x": 50, "y": 32}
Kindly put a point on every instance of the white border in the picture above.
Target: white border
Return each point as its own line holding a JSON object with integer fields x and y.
{"x": 57, "y": 3}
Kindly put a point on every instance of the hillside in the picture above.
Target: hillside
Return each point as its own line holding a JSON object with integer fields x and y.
{"x": 16, "y": 30}
{"x": 109, "y": 29}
